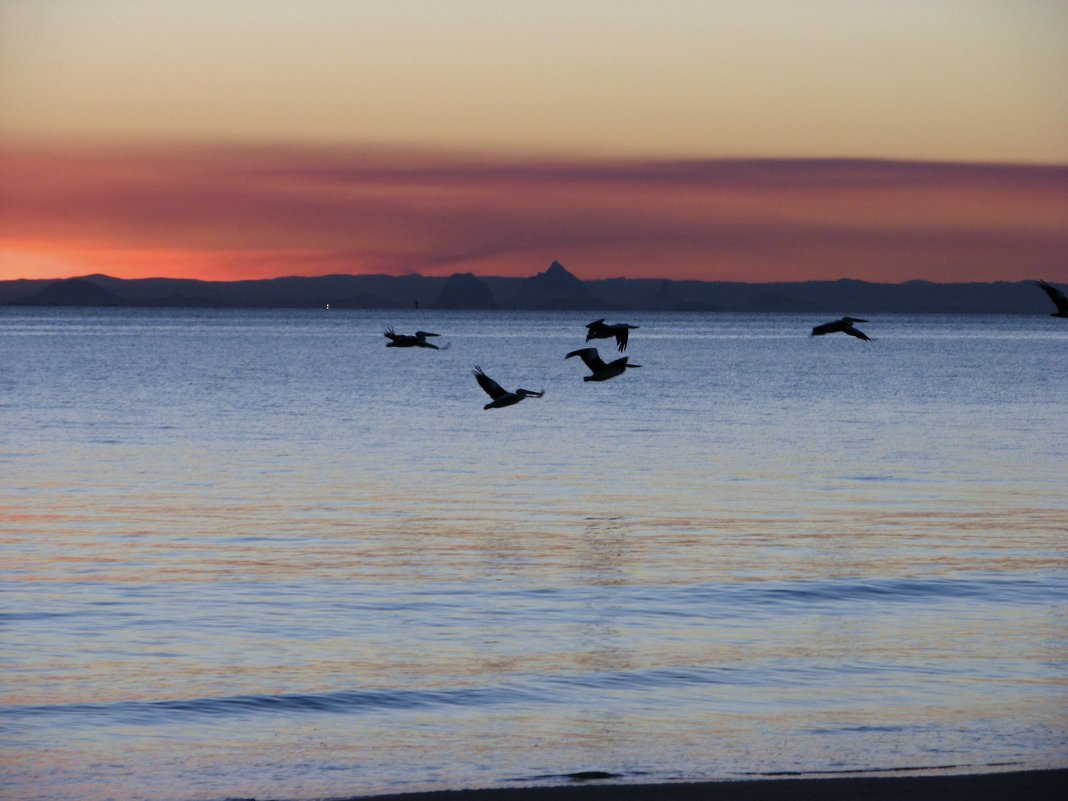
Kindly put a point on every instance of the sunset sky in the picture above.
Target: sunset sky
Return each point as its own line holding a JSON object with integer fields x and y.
{"x": 760, "y": 140}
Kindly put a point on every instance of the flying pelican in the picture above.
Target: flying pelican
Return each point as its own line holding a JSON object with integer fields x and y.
{"x": 600, "y": 371}
{"x": 1058, "y": 298}
{"x": 599, "y": 329}
{"x": 845, "y": 325}
{"x": 501, "y": 397}
{"x": 410, "y": 341}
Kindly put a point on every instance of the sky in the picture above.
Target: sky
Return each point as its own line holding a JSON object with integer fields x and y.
{"x": 762, "y": 140}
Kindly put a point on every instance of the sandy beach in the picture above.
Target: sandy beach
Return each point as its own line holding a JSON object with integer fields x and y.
{"x": 1034, "y": 785}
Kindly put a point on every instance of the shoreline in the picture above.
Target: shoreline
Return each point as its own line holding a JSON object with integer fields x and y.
{"x": 1034, "y": 785}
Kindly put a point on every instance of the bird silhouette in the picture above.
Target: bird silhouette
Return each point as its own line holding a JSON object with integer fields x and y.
{"x": 418, "y": 340}
{"x": 598, "y": 369}
{"x": 1058, "y": 298}
{"x": 845, "y": 325}
{"x": 501, "y": 397}
{"x": 599, "y": 329}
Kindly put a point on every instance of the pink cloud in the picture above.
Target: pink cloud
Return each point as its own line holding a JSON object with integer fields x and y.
{"x": 217, "y": 212}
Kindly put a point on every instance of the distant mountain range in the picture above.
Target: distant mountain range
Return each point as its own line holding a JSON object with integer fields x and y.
{"x": 554, "y": 289}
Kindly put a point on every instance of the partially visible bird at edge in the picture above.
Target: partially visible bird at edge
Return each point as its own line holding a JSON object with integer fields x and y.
{"x": 1058, "y": 298}
{"x": 501, "y": 397}
{"x": 599, "y": 329}
{"x": 416, "y": 340}
{"x": 599, "y": 370}
{"x": 845, "y": 325}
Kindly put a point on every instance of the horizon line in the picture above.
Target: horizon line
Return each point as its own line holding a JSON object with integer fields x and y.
{"x": 415, "y": 274}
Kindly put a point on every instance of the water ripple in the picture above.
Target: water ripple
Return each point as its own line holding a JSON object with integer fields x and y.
{"x": 566, "y": 689}
{"x": 156, "y": 712}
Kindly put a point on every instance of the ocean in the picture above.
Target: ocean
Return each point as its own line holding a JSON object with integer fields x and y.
{"x": 256, "y": 553}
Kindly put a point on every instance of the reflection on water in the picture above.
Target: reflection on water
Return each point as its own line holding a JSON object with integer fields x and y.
{"x": 257, "y": 554}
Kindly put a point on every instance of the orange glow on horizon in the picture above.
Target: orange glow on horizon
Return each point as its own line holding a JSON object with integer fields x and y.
{"x": 226, "y": 215}
{"x": 55, "y": 260}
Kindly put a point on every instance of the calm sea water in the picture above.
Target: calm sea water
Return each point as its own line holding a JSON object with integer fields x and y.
{"x": 259, "y": 554}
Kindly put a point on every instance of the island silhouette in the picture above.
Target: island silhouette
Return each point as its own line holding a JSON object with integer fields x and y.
{"x": 555, "y": 289}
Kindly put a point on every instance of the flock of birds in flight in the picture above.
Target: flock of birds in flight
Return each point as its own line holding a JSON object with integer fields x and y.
{"x": 600, "y": 370}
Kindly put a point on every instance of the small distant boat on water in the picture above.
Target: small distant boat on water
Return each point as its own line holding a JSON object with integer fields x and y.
{"x": 599, "y": 370}
{"x": 845, "y": 326}
{"x": 599, "y": 329}
{"x": 502, "y": 397}
{"x": 416, "y": 340}
{"x": 1058, "y": 298}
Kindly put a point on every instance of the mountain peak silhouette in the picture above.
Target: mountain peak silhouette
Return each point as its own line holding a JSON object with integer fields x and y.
{"x": 74, "y": 292}
{"x": 464, "y": 291}
{"x": 555, "y": 288}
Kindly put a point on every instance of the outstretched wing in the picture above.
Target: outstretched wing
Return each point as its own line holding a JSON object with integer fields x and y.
{"x": 493, "y": 389}
{"x": 424, "y": 334}
{"x": 856, "y": 332}
{"x": 1056, "y": 296}
{"x": 621, "y": 338}
{"x": 390, "y": 335}
{"x": 827, "y": 328}
{"x": 590, "y": 357}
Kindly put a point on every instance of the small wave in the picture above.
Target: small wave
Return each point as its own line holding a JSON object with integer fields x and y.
{"x": 18, "y": 617}
{"x": 878, "y": 478}
{"x": 550, "y": 689}
{"x": 805, "y": 594}
{"x": 564, "y": 689}
{"x": 750, "y": 602}
{"x": 529, "y": 690}
{"x": 152, "y": 712}
{"x": 755, "y": 598}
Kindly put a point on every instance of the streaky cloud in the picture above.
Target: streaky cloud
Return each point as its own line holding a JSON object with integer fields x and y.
{"x": 277, "y": 210}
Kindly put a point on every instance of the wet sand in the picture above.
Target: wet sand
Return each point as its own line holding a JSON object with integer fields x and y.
{"x": 1036, "y": 785}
